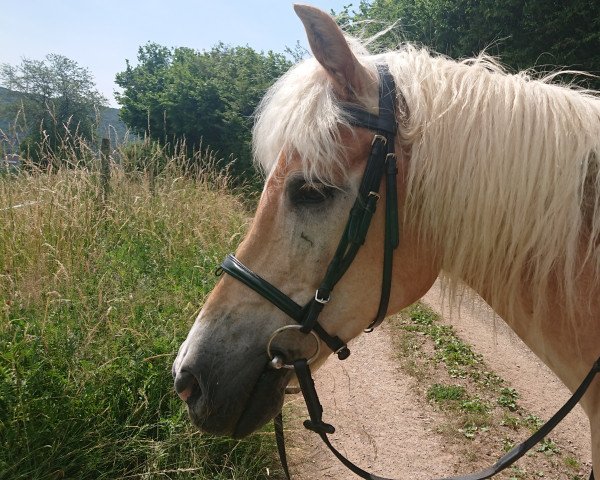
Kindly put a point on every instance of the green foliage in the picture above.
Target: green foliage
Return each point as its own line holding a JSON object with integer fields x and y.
{"x": 94, "y": 304}
{"x": 109, "y": 124}
{"x": 572, "y": 462}
{"x": 58, "y": 106}
{"x": 523, "y": 34}
{"x": 438, "y": 392}
{"x": 475, "y": 405}
{"x": 548, "y": 447}
{"x": 201, "y": 98}
{"x": 508, "y": 398}
{"x": 144, "y": 156}
{"x": 533, "y": 422}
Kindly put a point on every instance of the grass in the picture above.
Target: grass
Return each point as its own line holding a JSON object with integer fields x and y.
{"x": 444, "y": 393}
{"x": 94, "y": 302}
{"x": 482, "y": 410}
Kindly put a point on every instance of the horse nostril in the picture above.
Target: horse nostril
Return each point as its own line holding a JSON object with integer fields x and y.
{"x": 186, "y": 385}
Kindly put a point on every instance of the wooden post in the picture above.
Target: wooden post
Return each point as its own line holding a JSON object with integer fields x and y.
{"x": 151, "y": 172}
{"x": 105, "y": 169}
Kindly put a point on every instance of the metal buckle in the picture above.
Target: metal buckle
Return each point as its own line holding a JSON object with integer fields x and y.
{"x": 374, "y": 194}
{"x": 379, "y": 137}
{"x": 277, "y": 362}
{"x": 322, "y": 300}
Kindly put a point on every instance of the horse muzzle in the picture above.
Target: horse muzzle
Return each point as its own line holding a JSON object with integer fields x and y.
{"x": 229, "y": 390}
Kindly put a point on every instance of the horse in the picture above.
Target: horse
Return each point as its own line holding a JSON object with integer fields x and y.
{"x": 498, "y": 191}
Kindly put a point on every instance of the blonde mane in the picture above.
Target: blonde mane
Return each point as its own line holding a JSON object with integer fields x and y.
{"x": 503, "y": 176}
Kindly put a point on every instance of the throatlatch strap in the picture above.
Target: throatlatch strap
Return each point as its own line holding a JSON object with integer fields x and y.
{"x": 315, "y": 411}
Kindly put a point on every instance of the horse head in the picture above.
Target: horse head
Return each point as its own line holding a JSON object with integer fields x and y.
{"x": 315, "y": 159}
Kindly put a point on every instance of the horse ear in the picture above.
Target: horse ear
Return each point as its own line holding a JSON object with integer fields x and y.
{"x": 330, "y": 48}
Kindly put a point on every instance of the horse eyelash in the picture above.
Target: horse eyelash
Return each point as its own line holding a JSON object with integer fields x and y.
{"x": 300, "y": 192}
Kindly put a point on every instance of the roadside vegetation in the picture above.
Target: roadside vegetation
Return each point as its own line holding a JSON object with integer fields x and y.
{"x": 484, "y": 418}
{"x": 95, "y": 298}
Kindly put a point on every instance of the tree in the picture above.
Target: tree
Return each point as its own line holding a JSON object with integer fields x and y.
{"x": 58, "y": 105}
{"x": 203, "y": 98}
{"x": 524, "y": 34}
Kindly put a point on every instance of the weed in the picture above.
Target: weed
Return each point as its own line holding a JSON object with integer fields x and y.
{"x": 517, "y": 473}
{"x": 548, "y": 447}
{"x": 571, "y": 462}
{"x": 422, "y": 315}
{"x": 474, "y": 405}
{"x": 471, "y": 429}
{"x": 508, "y": 398}
{"x": 444, "y": 393}
{"x": 510, "y": 421}
{"x": 507, "y": 444}
{"x": 533, "y": 422}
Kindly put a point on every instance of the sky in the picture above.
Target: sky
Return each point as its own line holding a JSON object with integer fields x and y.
{"x": 101, "y": 34}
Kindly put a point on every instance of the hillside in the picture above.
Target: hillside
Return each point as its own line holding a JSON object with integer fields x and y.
{"x": 109, "y": 120}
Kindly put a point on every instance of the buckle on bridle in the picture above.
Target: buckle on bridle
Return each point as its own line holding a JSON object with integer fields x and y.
{"x": 379, "y": 137}
{"x": 321, "y": 300}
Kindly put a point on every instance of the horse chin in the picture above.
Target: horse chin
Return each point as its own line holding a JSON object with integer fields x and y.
{"x": 265, "y": 402}
{"x": 262, "y": 404}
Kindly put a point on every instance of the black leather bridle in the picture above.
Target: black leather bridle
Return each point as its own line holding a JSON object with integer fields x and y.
{"x": 381, "y": 162}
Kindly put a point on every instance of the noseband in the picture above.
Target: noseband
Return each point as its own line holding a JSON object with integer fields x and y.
{"x": 381, "y": 161}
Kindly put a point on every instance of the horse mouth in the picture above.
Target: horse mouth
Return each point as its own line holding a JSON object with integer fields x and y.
{"x": 229, "y": 417}
{"x": 264, "y": 403}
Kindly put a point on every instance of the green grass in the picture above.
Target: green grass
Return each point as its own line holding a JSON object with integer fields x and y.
{"x": 482, "y": 410}
{"x": 444, "y": 393}
{"x": 469, "y": 409}
{"x": 94, "y": 302}
{"x": 508, "y": 398}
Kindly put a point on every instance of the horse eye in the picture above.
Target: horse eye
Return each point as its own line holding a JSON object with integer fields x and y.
{"x": 310, "y": 194}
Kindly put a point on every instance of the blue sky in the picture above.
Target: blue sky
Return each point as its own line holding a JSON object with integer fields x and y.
{"x": 101, "y": 34}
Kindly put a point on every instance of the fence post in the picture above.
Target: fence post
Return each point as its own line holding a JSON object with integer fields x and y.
{"x": 105, "y": 169}
{"x": 151, "y": 172}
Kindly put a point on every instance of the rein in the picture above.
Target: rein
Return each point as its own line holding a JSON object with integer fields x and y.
{"x": 381, "y": 162}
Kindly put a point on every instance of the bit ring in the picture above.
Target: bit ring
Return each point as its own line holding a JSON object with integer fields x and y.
{"x": 277, "y": 362}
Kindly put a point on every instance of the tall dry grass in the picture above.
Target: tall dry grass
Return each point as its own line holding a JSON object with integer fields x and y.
{"x": 95, "y": 298}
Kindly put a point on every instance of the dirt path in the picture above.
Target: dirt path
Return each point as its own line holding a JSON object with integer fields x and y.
{"x": 542, "y": 393}
{"x": 381, "y": 424}
{"x": 386, "y": 428}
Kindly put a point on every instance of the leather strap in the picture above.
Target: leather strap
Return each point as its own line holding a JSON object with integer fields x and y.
{"x": 385, "y": 120}
{"x": 241, "y": 272}
{"x": 280, "y": 440}
{"x": 315, "y": 411}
